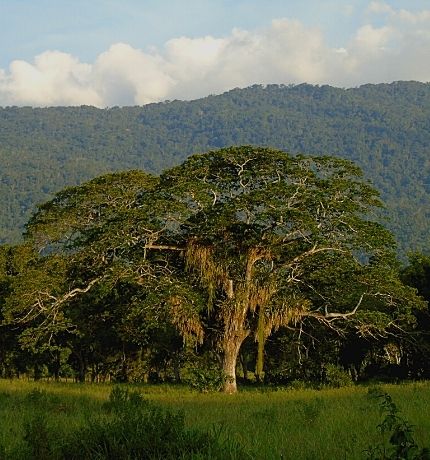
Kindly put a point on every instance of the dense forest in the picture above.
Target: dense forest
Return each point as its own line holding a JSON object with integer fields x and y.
{"x": 384, "y": 128}
{"x": 240, "y": 263}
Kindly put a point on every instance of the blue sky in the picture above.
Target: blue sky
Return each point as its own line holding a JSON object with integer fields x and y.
{"x": 361, "y": 41}
{"x": 86, "y": 28}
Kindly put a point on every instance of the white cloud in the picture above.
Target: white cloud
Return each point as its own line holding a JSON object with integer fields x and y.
{"x": 126, "y": 76}
{"x": 373, "y": 39}
{"x": 284, "y": 52}
{"x": 380, "y": 7}
{"x": 55, "y": 78}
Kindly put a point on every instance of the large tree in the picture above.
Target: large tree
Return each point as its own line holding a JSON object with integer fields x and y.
{"x": 275, "y": 239}
{"x": 232, "y": 243}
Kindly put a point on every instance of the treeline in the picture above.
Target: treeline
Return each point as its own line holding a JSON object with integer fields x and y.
{"x": 383, "y": 128}
{"x": 243, "y": 263}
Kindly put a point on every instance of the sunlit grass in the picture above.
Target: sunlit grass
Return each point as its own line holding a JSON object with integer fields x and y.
{"x": 288, "y": 424}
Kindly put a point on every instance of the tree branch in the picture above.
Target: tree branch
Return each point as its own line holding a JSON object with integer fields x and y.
{"x": 328, "y": 317}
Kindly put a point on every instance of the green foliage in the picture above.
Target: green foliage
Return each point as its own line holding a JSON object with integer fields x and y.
{"x": 297, "y": 384}
{"x": 402, "y": 445}
{"x": 123, "y": 271}
{"x": 417, "y": 275}
{"x": 312, "y": 410}
{"x": 38, "y": 437}
{"x": 142, "y": 430}
{"x": 267, "y": 424}
{"x": 336, "y": 377}
{"x": 131, "y": 428}
{"x": 120, "y": 398}
{"x": 38, "y": 397}
{"x": 205, "y": 375}
{"x": 383, "y": 128}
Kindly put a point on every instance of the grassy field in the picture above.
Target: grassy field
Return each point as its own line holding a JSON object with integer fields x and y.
{"x": 284, "y": 424}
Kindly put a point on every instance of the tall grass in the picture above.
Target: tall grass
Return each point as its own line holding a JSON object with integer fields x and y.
{"x": 288, "y": 424}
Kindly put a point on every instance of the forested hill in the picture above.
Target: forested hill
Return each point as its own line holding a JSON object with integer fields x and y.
{"x": 384, "y": 128}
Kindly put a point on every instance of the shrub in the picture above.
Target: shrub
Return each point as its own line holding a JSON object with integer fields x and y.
{"x": 336, "y": 377}
{"x": 401, "y": 443}
{"x": 206, "y": 379}
{"x": 205, "y": 374}
{"x": 143, "y": 430}
{"x": 130, "y": 427}
{"x": 298, "y": 385}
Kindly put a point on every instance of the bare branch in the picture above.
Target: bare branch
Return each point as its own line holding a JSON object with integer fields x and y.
{"x": 241, "y": 170}
{"x": 76, "y": 291}
{"x": 162, "y": 247}
{"x": 312, "y": 252}
{"x": 328, "y": 317}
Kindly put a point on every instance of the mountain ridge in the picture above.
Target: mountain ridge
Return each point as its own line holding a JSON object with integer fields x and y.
{"x": 384, "y": 128}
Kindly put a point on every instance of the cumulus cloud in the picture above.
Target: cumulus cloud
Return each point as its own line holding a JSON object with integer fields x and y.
{"x": 54, "y": 78}
{"x": 286, "y": 51}
{"x": 125, "y": 76}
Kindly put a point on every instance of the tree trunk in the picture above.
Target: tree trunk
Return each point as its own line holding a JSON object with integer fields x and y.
{"x": 177, "y": 369}
{"x": 235, "y": 333}
{"x": 259, "y": 364}
{"x": 93, "y": 373}
{"x": 57, "y": 374}
{"x": 124, "y": 366}
{"x": 261, "y": 341}
{"x": 229, "y": 368}
{"x": 37, "y": 372}
{"x": 82, "y": 371}
{"x": 244, "y": 363}
{"x": 230, "y": 355}
{"x": 57, "y": 367}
